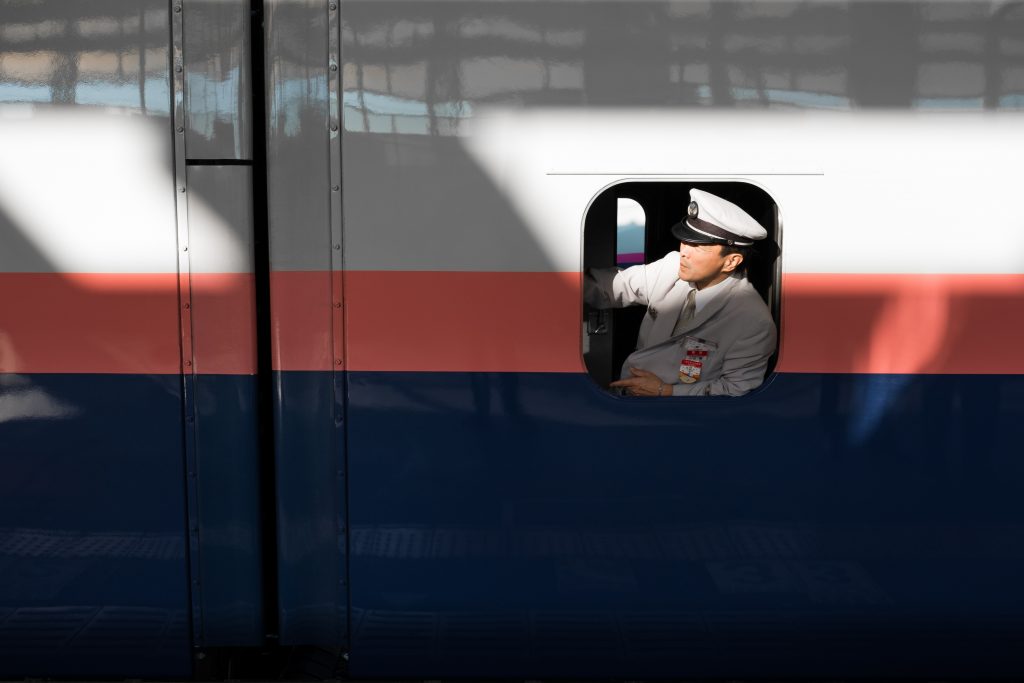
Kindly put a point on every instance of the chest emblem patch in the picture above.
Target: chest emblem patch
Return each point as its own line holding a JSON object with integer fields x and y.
{"x": 696, "y": 353}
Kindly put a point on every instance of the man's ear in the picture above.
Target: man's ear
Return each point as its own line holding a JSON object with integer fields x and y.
{"x": 732, "y": 262}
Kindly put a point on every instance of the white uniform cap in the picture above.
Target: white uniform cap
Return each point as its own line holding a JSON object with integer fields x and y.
{"x": 713, "y": 220}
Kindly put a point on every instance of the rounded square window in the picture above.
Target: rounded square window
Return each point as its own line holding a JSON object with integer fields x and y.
{"x": 681, "y": 288}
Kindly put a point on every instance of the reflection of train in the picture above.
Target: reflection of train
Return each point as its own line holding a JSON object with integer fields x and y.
{"x": 290, "y": 338}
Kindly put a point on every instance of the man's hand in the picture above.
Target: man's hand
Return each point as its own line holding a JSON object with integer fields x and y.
{"x": 643, "y": 383}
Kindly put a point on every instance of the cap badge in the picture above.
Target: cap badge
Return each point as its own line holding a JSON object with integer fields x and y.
{"x": 692, "y": 210}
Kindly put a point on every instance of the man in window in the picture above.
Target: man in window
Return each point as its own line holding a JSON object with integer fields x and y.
{"x": 707, "y": 331}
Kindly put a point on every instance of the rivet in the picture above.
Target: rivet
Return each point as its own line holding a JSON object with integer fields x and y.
{"x": 187, "y": 305}
{"x": 177, "y": 8}
{"x": 337, "y": 361}
{"x": 184, "y": 249}
{"x": 334, "y": 127}
{"x": 188, "y": 364}
{"x": 177, "y": 68}
{"x": 181, "y": 189}
{"x": 335, "y": 188}
{"x": 333, "y": 6}
{"x": 334, "y": 67}
{"x": 337, "y": 246}
{"x": 337, "y": 304}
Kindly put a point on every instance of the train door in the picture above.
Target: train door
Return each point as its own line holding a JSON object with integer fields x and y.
{"x": 307, "y": 311}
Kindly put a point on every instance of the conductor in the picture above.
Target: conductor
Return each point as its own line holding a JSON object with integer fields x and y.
{"x": 707, "y": 332}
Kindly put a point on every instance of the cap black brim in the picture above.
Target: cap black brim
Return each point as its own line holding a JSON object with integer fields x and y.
{"x": 684, "y": 233}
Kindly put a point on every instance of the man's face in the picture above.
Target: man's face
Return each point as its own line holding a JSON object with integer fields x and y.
{"x": 702, "y": 263}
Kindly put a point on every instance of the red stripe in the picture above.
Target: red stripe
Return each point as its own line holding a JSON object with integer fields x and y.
{"x": 483, "y": 322}
{"x": 903, "y": 324}
{"x": 529, "y": 322}
{"x": 503, "y": 322}
{"x": 301, "y": 319}
{"x": 123, "y": 323}
{"x": 835, "y": 323}
{"x": 224, "y": 323}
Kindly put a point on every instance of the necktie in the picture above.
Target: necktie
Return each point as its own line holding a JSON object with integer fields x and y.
{"x": 689, "y": 310}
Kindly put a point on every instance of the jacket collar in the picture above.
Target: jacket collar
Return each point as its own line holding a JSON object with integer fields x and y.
{"x": 668, "y": 312}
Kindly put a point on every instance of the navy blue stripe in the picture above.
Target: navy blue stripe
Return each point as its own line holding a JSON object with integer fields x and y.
{"x": 93, "y": 524}
{"x": 228, "y": 486}
{"x": 92, "y": 527}
{"x": 312, "y": 594}
{"x": 528, "y": 524}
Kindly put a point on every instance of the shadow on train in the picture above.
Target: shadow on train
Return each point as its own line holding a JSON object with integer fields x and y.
{"x": 525, "y": 521}
{"x": 93, "y": 470}
{"x": 513, "y": 512}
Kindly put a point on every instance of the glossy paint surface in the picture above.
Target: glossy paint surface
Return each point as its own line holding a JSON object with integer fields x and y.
{"x": 121, "y": 324}
{"x": 221, "y": 261}
{"x": 524, "y": 523}
{"x": 230, "y": 546}
{"x": 227, "y": 451}
{"x": 218, "y": 81}
{"x": 826, "y": 524}
{"x": 831, "y": 323}
{"x": 92, "y": 507}
{"x": 110, "y": 54}
{"x": 906, "y": 324}
{"x": 93, "y": 543}
{"x": 425, "y": 67}
{"x": 308, "y": 416}
{"x": 518, "y": 523}
{"x": 297, "y": 131}
{"x": 502, "y": 140}
{"x": 312, "y": 553}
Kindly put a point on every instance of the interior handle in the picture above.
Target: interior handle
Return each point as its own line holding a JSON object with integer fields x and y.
{"x": 597, "y": 322}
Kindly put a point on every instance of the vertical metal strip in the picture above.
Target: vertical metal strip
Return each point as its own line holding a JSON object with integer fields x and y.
{"x": 338, "y": 302}
{"x": 334, "y": 124}
{"x": 188, "y": 378}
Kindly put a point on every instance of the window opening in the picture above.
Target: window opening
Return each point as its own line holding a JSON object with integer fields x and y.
{"x": 638, "y": 223}
{"x": 631, "y": 223}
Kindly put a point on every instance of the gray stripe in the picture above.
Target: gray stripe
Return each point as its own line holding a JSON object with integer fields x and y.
{"x": 220, "y": 224}
{"x": 424, "y": 205}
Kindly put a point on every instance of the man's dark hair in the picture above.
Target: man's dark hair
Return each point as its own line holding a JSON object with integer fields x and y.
{"x": 746, "y": 252}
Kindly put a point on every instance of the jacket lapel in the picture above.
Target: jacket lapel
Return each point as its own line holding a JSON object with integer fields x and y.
{"x": 668, "y": 313}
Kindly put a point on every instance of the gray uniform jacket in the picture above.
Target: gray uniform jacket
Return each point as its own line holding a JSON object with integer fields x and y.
{"x": 736, "y": 322}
